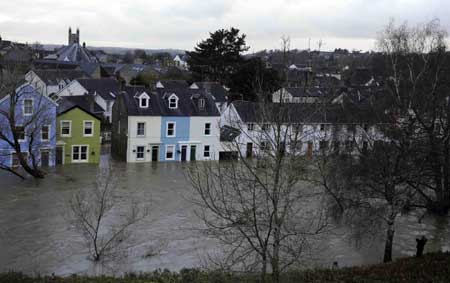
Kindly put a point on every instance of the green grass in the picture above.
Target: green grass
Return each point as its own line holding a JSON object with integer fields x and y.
{"x": 433, "y": 268}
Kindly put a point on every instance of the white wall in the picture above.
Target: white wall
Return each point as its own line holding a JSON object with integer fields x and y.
{"x": 196, "y": 133}
{"x": 152, "y": 136}
{"x": 74, "y": 88}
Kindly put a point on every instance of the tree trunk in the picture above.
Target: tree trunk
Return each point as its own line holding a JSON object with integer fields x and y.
{"x": 275, "y": 262}
{"x": 263, "y": 269}
{"x": 389, "y": 241}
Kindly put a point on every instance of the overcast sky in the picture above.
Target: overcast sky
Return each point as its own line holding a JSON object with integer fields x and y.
{"x": 351, "y": 24}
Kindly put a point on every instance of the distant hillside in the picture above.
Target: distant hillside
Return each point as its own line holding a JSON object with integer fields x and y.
{"x": 121, "y": 50}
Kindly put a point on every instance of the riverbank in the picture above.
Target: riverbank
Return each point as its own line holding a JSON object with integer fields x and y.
{"x": 433, "y": 267}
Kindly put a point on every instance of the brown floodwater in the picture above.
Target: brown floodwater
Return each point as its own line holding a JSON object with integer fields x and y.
{"x": 37, "y": 236}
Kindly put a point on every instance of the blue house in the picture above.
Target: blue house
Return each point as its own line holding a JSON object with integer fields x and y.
{"x": 34, "y": 119}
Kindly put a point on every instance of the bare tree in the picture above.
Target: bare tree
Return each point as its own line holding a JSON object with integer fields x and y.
{"x": 16, "y": 127}
{"x": 417, "y": 86}
{"x": 98, "y": 218}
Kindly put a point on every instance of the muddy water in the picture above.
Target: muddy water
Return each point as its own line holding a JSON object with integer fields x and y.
{"x": 36, "y": 235}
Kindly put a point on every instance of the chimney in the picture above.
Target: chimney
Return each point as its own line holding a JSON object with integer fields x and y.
{"x": 84, "y": 44}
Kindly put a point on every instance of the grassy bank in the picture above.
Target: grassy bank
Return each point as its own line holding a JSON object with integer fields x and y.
{"x": 430, "y": 268}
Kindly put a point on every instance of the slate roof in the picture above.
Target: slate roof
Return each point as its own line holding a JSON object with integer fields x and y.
{"x": 86, "y": 103}
{"x": 103, "y": 87}
{"x": 54, "y": 64}
{"x": 301, "y": 113}
{"x": 75, "y": 53}
{"x": 306, "y": 92}
{"x": 159, "y": 105}
{"x": 52, "y": 76}
{"x": 174, "y": 84}
{"x": 219, "y": 93}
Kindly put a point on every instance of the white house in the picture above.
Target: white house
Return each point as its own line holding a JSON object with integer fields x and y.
{"x": 104, "y": 92}
{"x": 298, "y": 95}
{"x": 180, "y": 61}
{"x": 49, "y": 82}
{"x": 305, "y": 128}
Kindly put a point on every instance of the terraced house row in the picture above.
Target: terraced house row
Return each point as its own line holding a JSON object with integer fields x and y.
{"x": 180, "y": 124}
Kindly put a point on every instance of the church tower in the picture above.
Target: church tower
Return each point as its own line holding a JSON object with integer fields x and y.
{"x": 74, "y": 37}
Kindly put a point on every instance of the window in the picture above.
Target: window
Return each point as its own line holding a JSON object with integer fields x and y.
{"x": 20, "y": 132}
{"x": 173, "y": 102}
{"x": 250, "y": 126}
{"x": 66, "y": 128}
{"x": 265, "y": 126}
{"x": 45, "y": 133}
{"x": 140, "y": 152}
{"x": 322, "y": 127}
{"x": 79, "y": 153}
{"x": 170, "y": 129}
{"x": 88, "y": 128}
{"x": 323, "y": 145}
{"x": 28, "y": 107}
{"x": 140, "y": 129}
{"x": 201, "y": 103}
{"x": 143, "y": 102}
{"x": 264, "y": 145}
{"x": 170, "y": 152}
{"x": 15, "y": 162}
{"x": 207, "y": 129}
{"x": 206, "y": 151}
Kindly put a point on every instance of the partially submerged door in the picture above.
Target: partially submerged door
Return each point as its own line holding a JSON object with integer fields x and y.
{"x": 193, "y": 152}
{"x": 183, "y": 152}
{"x": 249, "y": 150}
{"x": 59, "y": 155}
{"x": 155, "y": 152}
{"x": 45, "y": 158}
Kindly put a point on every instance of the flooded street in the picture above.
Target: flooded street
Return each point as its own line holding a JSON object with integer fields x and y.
{"x": 36, "y": 235}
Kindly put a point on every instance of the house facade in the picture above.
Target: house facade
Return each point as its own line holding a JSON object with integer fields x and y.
{"x": 165, "y": 126}
{"x": 49, "y": 82}
{"x": 35, "y": 122}
{"x": 304, "y": 128}
{"x": 77, "y": 135}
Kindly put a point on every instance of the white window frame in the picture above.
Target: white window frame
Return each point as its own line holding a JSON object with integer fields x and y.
{"x": 49, "y": 127}
{"x": 79, "y": 160}
{"x": 250, "y": 126}
{"x": 84, "y": 128}
{"x": 61, "y": 129}
{"x": 32, "y": 107}
{"x": 173, "y": 151}
{"x": 207, "y": 151}
{"x": 143, "y": 153}
{"x": 12, "y": 159}
{"x": 173, "y": 96}
{"x": 174, "y": 129}
{"x": 137, "y": 129}
{"x": 210, "y": 129}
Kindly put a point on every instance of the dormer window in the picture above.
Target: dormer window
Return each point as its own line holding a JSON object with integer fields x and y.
{"x": 201, "y": 103}
{"x": 173, "y": 102}
{"x": 144, "y": 100}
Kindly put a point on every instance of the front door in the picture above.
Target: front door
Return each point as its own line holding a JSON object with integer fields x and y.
{"x": 59, "y": 155}
{"x": 193, "y": 154}
{"x": 155, "y": 152}
{"x": 183, "y": 152}
{"x": 45, "y": 158}
{"x": 249, "y": 150}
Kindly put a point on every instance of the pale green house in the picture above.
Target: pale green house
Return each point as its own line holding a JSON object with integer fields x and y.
{"x": 77, "y": 132}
